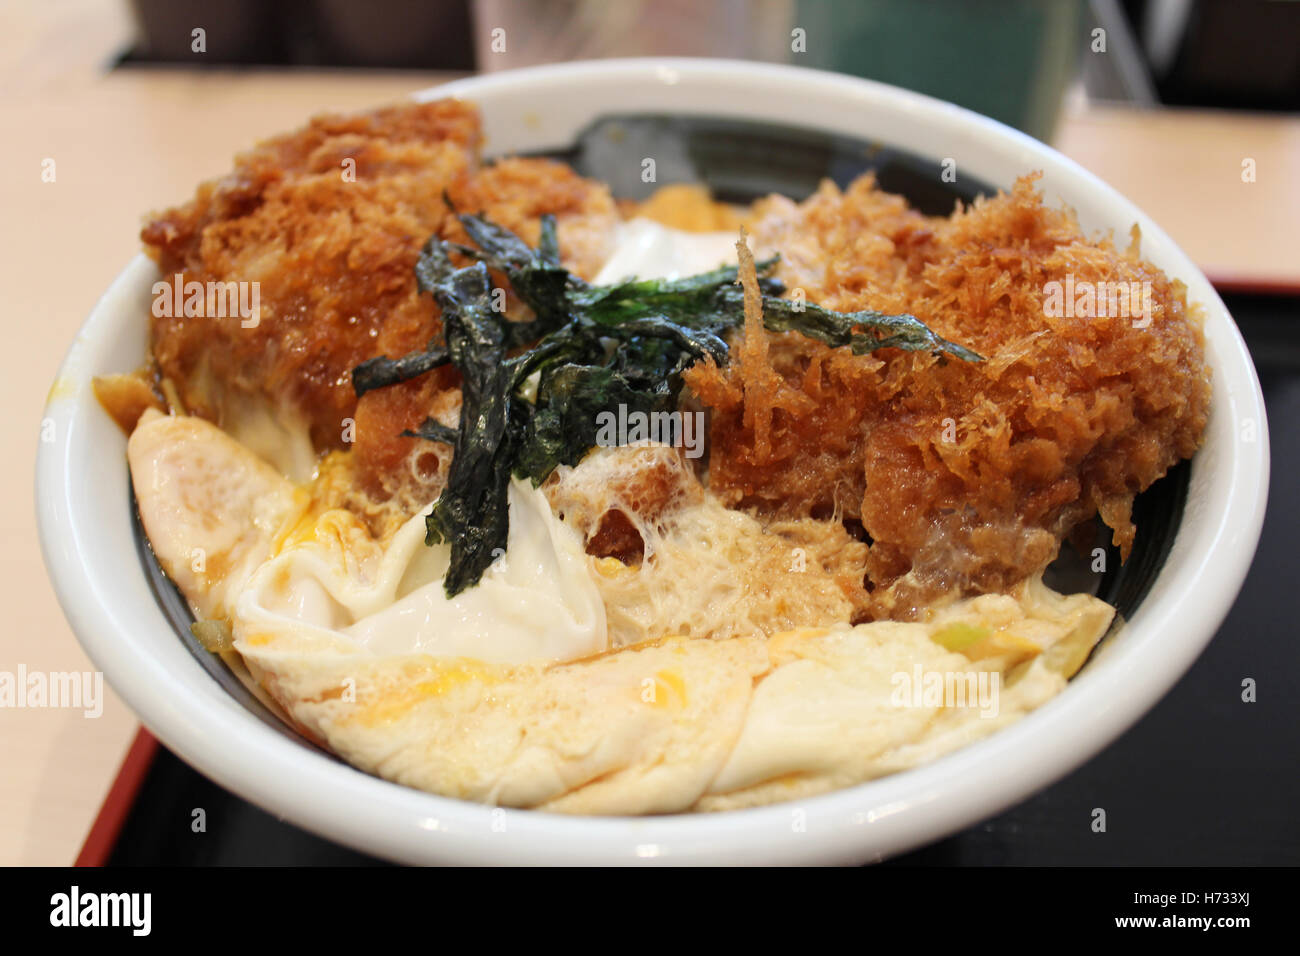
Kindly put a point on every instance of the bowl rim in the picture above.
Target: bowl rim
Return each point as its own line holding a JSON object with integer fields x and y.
{"x": 78, "y": 525}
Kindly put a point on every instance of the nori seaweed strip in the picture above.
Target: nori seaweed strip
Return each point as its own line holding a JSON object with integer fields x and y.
{"x": 564, "y": 427}
{"x": 472, "y": 512}
{"x": 709, "y": 300}
{"x": 432, "y": 268}
{"x": 433, "y": 430}
{"x": 536, "y": 276}
{"x": 382, "y": 371}
{"x": 838, "y": 328}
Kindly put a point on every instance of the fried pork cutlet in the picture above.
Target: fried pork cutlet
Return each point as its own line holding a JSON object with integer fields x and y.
{"x": 966, "y": 477}
{"x": 329, "y": 221}
{"x": 331, "y": 248}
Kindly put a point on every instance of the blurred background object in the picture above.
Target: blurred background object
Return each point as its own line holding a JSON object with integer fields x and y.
{"x": 1013, "y": 60}
{"x": 1239, "y": 55}
{"x": 387, "y": 34}
{"x": 1009, "y": 59}
{"x": 515, "y": 33}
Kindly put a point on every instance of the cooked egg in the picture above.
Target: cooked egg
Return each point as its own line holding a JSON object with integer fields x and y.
{"x": 210, "y": 507}
{"x": 535, "y": 603}
{"x": 648, "y": 250}
{"x": 237, "y": 539}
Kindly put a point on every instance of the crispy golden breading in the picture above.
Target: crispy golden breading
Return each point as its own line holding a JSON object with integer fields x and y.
{"x": 965, "y": 476}
{"x": 516, "y": 193}
{"x": 334, "y": 257}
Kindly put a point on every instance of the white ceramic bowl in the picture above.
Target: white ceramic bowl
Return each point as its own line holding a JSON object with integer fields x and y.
{"x": 86, "y": 532}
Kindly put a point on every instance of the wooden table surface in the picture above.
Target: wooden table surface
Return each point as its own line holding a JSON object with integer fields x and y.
{"x": 127, "y": 141}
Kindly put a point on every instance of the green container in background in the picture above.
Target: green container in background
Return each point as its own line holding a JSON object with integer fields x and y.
{"x": 1009, "y": 59}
